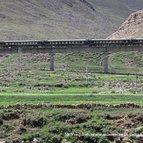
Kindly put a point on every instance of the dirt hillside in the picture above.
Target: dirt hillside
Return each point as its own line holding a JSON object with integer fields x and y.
{"x": 59, "y": 19}
{"x": 132, "y": 27}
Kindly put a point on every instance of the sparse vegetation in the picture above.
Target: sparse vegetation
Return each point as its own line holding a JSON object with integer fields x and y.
{"x": 35, "y": 84}
{"x": 70, "y": 125}
{"x": 49, "y": 19}
{"x": 72, "y": 104}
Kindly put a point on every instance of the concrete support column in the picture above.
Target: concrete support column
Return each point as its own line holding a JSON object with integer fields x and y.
{"x": 20, "y": 59}
{"x": 19, "y": 51}
{"x": 106, "y": 62}
{"x": 52, "y": 61}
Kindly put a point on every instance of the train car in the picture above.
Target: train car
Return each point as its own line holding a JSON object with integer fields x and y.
{"x": 2, "y": 43}
{"x": 43, "y": 43}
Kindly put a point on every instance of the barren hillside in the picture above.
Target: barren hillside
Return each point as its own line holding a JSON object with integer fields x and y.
{"x": 58, "y": 19}
{"x": 132, "y": 27}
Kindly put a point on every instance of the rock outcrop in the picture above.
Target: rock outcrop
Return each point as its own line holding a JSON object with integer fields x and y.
{"x": 131, "y": 28}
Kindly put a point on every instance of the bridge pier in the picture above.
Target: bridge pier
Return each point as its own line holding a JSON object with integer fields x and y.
{"x": 19, "y": 51}
{"x": 52, "y": 61}
{"x": 20, "y": 59}
{"x": 106, "y": 62}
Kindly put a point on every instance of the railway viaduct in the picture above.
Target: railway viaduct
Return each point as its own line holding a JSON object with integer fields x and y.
{"x": 52, "y": 47}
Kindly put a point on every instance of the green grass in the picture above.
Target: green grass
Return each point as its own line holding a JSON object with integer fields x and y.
{"x": 67, "y": 98}
{"x": 35, "y": 84}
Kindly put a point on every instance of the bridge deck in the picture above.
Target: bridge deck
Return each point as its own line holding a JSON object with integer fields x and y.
{"x": 96, "y": 45}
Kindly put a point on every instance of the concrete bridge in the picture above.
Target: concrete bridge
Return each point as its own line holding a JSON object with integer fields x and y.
{"x": 75, "y": 45}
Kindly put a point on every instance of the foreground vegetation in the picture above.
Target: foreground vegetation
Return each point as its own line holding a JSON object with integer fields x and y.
{"x": 74, "y": 82}
{"x": 51, "y": 125}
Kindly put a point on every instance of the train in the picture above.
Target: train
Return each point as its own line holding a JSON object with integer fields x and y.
{"x": 95, "y": 42}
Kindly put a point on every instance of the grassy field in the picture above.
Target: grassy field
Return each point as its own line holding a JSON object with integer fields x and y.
{"x": 73, "y": 82}
{"x": 69, "y": 98}
{"x": 31, "y": 82}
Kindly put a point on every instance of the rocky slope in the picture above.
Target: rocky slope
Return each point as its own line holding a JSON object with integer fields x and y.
{"x": 58, "y": 19}
{"x": 132, "y": 27}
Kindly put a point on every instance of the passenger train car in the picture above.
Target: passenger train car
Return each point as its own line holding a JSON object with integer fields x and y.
{"x": 94, "y": 42}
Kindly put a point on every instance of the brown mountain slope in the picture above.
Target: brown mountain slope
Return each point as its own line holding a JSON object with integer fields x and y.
{"x": 58, "y": 19}
{"x": 131, "y": 28}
